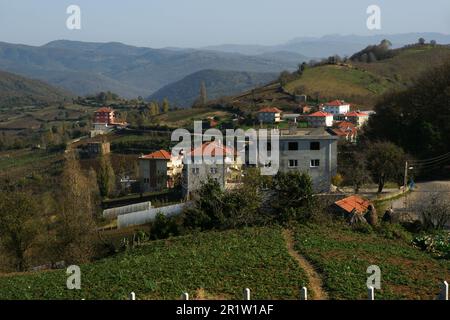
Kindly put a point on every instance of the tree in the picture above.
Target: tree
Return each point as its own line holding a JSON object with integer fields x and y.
{"x": 292, "y": 195}
{"x": 203, "y": 95}
{"x": 421, "y": 41}
{"x": 76, "y": 237}
{"x": 19, "y": 225}
{"x": 352, "y": 165}
{"x": 386, "y": 162}
{"x": 105, "y": 177}
{"x": 433, "y": 43}
{"x": 434, "y": 210}
{"x": 165, "y": 105}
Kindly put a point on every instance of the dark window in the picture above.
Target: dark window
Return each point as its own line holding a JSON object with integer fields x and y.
{"x": 315, "y": 163}
{"x": 293, "y": 163}
{"x": 292, "y": 146}
{"x": 314, "y": 146}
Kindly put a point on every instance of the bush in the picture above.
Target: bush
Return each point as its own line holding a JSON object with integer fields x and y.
{"x": 437, "y": 244}
{"x": 164, "y": 227}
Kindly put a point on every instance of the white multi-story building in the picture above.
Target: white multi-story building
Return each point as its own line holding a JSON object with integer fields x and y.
{"x": 336, "y": 107}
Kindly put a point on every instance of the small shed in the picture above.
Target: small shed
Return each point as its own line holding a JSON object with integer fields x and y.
{"x": 350, "y": 205}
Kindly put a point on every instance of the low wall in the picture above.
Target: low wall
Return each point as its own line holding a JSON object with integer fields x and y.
{"x": 146, "y": 216}
{"x": 115, "y": 212}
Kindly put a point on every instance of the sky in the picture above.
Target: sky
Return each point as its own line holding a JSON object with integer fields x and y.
{"x": 197, "y": 23}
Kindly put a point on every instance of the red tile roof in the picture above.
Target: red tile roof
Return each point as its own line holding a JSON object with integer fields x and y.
{"x": 104, "y": 109}
{"x": 336, "y": 103}
{"x": 320, "y": 114}
{"x": 353, "y": 202}
{"x": 356, "y": 114}
{"x": 344, "y": 125}
{"x": 210, "y": 148}
{"x": 160, "y": 155}
{"x": 271, "y": 110}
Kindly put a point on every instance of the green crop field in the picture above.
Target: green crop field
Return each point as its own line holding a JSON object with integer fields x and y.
{"x": 343, "y": 255}
{"x": 206, "y": 265}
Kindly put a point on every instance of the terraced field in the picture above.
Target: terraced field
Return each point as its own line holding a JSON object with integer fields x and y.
{"x": 214, "y": 265}
{"x": 342, "y": 257}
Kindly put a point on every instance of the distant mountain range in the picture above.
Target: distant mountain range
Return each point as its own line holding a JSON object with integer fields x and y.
{"x": 218, "y": 83}
{"x": 86, "y": 68}
{"x": 331, "y": 44}
{"x": 19, "y": 91}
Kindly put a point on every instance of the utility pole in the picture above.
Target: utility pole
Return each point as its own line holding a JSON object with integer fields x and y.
{"x": 405, "y": 181}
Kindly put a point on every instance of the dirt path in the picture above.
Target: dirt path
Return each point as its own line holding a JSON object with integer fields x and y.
{"x": 315, "y": 281}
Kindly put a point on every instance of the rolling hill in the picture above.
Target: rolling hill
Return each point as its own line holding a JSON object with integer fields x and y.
{"x": 17, "y": 91}
{"x": 357, "y": 82}
{"x": 86, "y": 68}
{"x": 218, "y": 83}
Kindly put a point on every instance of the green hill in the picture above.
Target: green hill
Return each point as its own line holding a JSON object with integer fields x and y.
{"x": 362, "y": 83}
{"x": 17, "y": 91}
{"x": 218, "y": 83}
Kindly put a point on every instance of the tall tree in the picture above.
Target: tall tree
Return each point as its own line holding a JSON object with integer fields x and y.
{"x": 105, "y": 177}
{"x": 166, "y": 105}
{"x": 203, "y": 94}
{"x": 19, "y": 225}
{"x": 386, "y": 162}
{"x": 75, "y": 225}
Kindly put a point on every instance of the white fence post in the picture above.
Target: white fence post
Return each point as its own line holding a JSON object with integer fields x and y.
{"x": 246, "y": 294}
{"x": 132, "y": 296}
{"x": 304, "y": 293}
{"x": 444, "y": 292}
{"x": 185, "y": 296}
{"x": 371, "y": 293}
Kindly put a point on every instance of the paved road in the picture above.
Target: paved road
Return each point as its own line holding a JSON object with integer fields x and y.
{"x": 420, "y": 194}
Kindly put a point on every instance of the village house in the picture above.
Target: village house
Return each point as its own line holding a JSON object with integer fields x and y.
{"x": 344, "y": 130}
{"x": 319, "y": 119}
{"x": 358, "y": 118}
{"x": 313, "y": 151}
{"x": 105, "y": 121}
{"x": 159, "y": 170}
{"x": 95, "y": 149}
{"x": 269, "y": 115}
{"x": 223, "y": 165}
{"x": 336, "y": 107}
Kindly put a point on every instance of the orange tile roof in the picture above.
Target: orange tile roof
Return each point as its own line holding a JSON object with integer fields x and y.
{"x": 270, "y": 109}
{"x": 104, "y": 109}
{"x": 336, "y": 103}
{"x": 210, "y": 148}
{"x": 160, "y": 155}
{"x": 353, "y": 202}
{"x": 356, "y": 114}
{"x": 320, "y": 114}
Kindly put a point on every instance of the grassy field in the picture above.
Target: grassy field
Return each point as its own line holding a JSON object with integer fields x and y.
{"x": 342, "y": 256}
{"x": 208, "y": 265}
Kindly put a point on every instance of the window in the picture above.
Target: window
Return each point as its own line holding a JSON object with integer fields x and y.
{"x": 315, "y": 163}
{"x": 213, "y": 170}
{"x": 314, "y": 146}
{"x": 292, "y": 146}
{"x": 293, "y": 163}
{"x": 195, "y": 170}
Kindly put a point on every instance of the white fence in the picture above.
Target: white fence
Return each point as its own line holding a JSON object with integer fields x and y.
{"x": 113, "y": 213}
{"x": 443, "y": 295}
{"x": 146, "y": 216}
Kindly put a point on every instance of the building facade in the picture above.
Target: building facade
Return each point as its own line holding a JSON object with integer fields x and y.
{"x": 269, "y": 115}
{"x": 320, "y": 119}
{"x": 159, "y": 170}
{"x": 223, "y": 166}
{"x": 312, "y": 151}
{"x": 336, "y": 107}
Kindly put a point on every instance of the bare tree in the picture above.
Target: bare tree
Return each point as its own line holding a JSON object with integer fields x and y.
{"x": 434, "y": 210}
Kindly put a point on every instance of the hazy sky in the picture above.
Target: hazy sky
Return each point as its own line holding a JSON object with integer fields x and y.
{"x": 195, "y": 23}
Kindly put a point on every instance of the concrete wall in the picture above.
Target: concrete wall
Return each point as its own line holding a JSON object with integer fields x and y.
{"x": 146, "y": 216}
{"x": 327, "y": 156}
